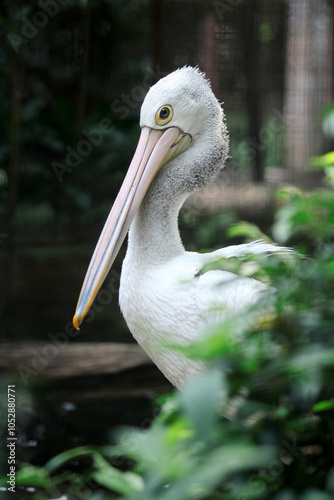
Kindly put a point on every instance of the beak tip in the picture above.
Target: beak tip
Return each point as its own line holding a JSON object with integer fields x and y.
{"x": 76, "y": 321}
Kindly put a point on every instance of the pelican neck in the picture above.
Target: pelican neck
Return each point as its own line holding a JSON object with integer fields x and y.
{"x": 154, "y": 235}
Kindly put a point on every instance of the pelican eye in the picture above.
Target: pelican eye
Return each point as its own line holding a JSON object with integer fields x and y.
{"x": 164, "y": 114}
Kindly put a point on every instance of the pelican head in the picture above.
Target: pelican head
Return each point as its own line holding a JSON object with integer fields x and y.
{"x": 182, "y": 99}
{"x": 183, "y": 144}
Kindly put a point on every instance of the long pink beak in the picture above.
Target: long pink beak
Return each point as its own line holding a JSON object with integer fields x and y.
{"x": 155, "y": 147}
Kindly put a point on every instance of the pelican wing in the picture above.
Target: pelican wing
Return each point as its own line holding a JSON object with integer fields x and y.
{"x": 221, "y": 293}
{"x": 255, "y": 248}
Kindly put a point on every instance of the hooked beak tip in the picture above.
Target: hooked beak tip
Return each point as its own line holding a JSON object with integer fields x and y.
{"x": 76, "y": 321}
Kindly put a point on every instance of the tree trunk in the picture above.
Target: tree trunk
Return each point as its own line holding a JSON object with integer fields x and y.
{"x": 307, "y": 84}
{"x": 9, "y": 240}
{"x": 254, "y": 94}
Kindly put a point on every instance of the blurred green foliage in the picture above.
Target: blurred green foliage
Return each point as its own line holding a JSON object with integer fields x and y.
{"x": 56, "y": 90}
{"x": 73, "y": 75}
{"x": 258, "y": 424}
{"x": 326, "y": 161}
{"x": 328, "y": 120}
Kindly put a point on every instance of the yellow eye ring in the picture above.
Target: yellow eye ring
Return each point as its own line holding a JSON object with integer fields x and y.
{"x": 164, "y": 115}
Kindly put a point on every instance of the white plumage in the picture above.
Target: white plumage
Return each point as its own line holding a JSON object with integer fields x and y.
{"x": 164, "y": 297}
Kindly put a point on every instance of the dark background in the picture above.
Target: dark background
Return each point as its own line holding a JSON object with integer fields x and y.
{"x": 69, "y": 67}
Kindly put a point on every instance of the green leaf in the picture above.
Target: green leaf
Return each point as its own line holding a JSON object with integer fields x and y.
{"x": 323, "y": 406}
{"x": 201, "y": 399}
{"x": 247, "y": 230}
{"x": 328, "y": 120}
{"x": 323, "y": 161}
{"x": 125, "y": 483}
{"x": 223, "y": 264}
{"x": 310, "y": 359}
{"x": 224, "y": 339}
{"x": 62, "y": 458}
{"x": 30, "y": 475}
{"x": 214, "y": 467}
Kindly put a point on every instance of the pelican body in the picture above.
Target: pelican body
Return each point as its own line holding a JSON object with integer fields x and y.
{"x": 164, "y": 296}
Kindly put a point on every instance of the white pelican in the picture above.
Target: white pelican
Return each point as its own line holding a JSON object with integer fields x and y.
{"x": 163, "y": 295}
